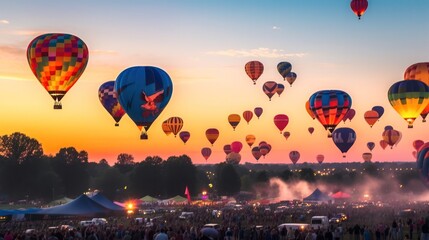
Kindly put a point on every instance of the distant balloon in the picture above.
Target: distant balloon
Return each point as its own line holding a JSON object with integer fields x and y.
{"x": 212, "y": 134}
{"x": 388, "y": 127}
{"x": 175, "y": 124}
{"x": 286, "y": 135}
{"x": 256, "y": 153}
{"x": 227, "y": 149}
{"x": 107, "y": 96}
{"x": 258, "y": 111}
{"x": 269, "y": 88}
{"x": 236, "y": 146}
{"x": 184, "y": 136}
{"x": 294, "y": 156}
{"x": 143, "y": 92}
{"x": 419, "y": 71}
{"x": 291, "y": 77}
{"x": 399, "y": 139}
{"x": 206, "y": 152}
{"x": 254, "y": 70}
{"x": 165, "y": 128}
{"x": 284, "y": 69}
{"x": 391, "y": 137}
{"x": 247, "y": 115}
{"x": 423, "y": 162}
{"x": 234, "y": 120}
{"x": 344, "y": 138}
{"x": 379, "y": 110}
{"x": 409, "y": 98}
{"x": 264, "y": 148}
{"x": 311, "y": 130}
{"x": 371, "y": 117}
{"x": 280, "y": 89}
{"x": 370, "y": 145}
{"x": 307, "y": 107}
{"x": 359, "y": 7}
{"x": 233, "y": 158}
{"x": 281, "y": 121}
{"x": 417, "y": 144}
{"x": 349, "y": 115}
{"x": 367, "y": 156}
{"x": 330, "y": 107}
{"x": 383, "y": 144}
{"x": 320, "y": 158}
{"x": 57, "y": 60}
{"x": 250, "y": 139}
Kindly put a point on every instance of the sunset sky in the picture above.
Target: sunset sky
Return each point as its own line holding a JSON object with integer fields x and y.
{"x": 203, "y": 46}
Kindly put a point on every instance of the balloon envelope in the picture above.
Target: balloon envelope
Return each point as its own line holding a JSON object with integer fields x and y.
{"x": 370, "y": 145}
{"x": 308, "y": 109}
{"x": 258, "y": 111}
{"x": 294, "y": 156}
{"x": 344, "y": 138}
{"x": 184, "y": 136}
{"x": 236, "y": 146}
{"x": 280, "y": 88}
{"x": 391, "y": 137}
{"x": 419, "y": 71}
{"x": 256, "y": 153}
{"x": 359, "y": 7}
{"x": 227, "y": 149}
{"x": 417, "y": 144}
{"x": 311, "y": 130}
{"x": 379, "y": 110}
{"x": 250, "y": 139}
{"x": 367, "y": 157}
{"x": 281, "y": 121}
{"x": 206, "y": 152}
{"x": 291, "y": 77}
{"x": 284, "y": 68}
{"x": 286, "y": 135}
{"x": 233, "y": 158}
{"x": 269, "y": 88}
{"x": 212, "y": 134}
{"x": 383, "y": 144}
{"x": 254, "y": 70}
{"x": 234, "y": 120}
{"x": 371, "y": 117}
{"x": 107, "y": 97}
{"x": 175, "y": 124}
{"x": 247, "y": 115}
{"x": 320, "y": 158}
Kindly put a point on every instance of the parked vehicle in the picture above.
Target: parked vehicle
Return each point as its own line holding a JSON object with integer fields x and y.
{"x": 319, "y": 222}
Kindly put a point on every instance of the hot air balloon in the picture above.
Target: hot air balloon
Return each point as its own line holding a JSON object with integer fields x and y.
{"x": 417, "y": 144}
{"x": 247, "y": 115}
{"x": 108, "y": 99}
{"x": 388, "y": 127}
{"x": 281, "y": 121}
{"x": 419, "y": 71}
{"x": 399, "y": 139}
{"x": 370, "y": 145}
{"x": 371, "y": 117}
{"x": 294, "y": 156}
{"x": 284, "y": 68}
{"x": 269, "y": 88}
{"x": 184, "y": 136}
{"x": 391, "y": 137}
{"x": 359, "y": 7}
{"x": 423, "y": 161}
{"x": 383, "y": 144}
{"x": 250, "y": 139}
{"x": 254, "y": 70}
{"x": 57, "y": 60}
{"x": 311, "y": 130}
{"x": 233, "y": 158}
{"x": 234, "y": 120}
{"x": 320, "y": 158}
{"x": 330, "y": 107}
{"x": 212, "y": 134}
{"x": 206, "y": 152}
{"x": 258, "y": 111}
{"x": 291, "y": 77}
{"x": 409, "y": 98}
{"x": 165, "y": 128}
{"x": 349, "y": 115}
{"x": 264, "y": 148}
{"x": 227, "y": 149}
{"x": 175, "y": 124}
{"x": 367, "y": 156}
{"x": 236, "y": 146}
{"x": 143, "y": 92}
{"x": 344, "y": 138}
{"x": 280, "y": 88}
{"x": 379, "y": 110}
{"x": 256, "y": 153}
{"x": 307, "y": 107}
{"x": 286, "y": 135}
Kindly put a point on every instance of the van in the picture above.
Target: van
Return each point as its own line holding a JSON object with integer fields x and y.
{"x": 294, "y": 226}
{"x": 99, "y": 221}
{"x": 186, "y": 215}
{"x": 85, "y": 223}
{"x": 319, "y": 222}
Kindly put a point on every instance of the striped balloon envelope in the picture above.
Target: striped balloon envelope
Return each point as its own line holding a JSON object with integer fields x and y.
{"x": 391, "y": 137}
{"x": 212, "y": 135}
{"x": 254, "y": 70}
{"x": 270, "y": 88}
{"x": 371, "y": 117}
{"x": 234, "y": 120}
{"x": 175, "y": 124}
{"x": 247, "y": 115}
{"x": 284, "y": 69}
{"x": 419, "y": 71}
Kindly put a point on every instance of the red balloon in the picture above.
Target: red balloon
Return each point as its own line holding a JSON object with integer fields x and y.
{"x": 359, "y": 7}
{"x": 281, "y": 121}
{"x": 227, "y": 149}
{"x": 206, "y": 152}
{"x": 247, "y": 115}
{"x": 311, "y": 130}
{"x": 417, "y": 144}
{"x": 236, "y": 146}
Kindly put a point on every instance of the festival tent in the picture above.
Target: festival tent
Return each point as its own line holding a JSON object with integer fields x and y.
{"x": 340, "y": 195}
{"x": 83, "y": 205}
{"x": 318, "y": 197}
{"x": 105, "y": 202}
{"x": 175, "y": 200}
{"x": 148, "y": 199}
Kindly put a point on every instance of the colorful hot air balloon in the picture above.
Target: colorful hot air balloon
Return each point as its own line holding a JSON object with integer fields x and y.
{"x": 330, "y": 107}
{"x": 379, "y": 110}
{"x": 175, "y": 124}
{"x": 227, "y": 149}
{"x": 250, "y": 139}
{"x": 256, "y": 153}
{"x": 234, "y": 120}
{"x": 233, "y": 158}
{"x": 367, "y": 156}
{"x": 286, "y": 135}
{"x": 258, "y": 111}
{"x": 307, "y": 107}
{"x": 281, "y": 121}
{"x": 383, "y": 144}
{"x": 264, "y": 148}
{"x": 294, "y": 156}
{"x": 247, "y": 115}
{"x": 359, "y": 7}
{"x": 311, "y": 130}
{"x": 212, "y": 134}
{"x": 236, "y": 146}
{"x": 254, "y": 70}
{"x": 371, "y": 117}
{"x": 419, "y": 71}
{"x": 269, "y": 88}
{"x": 184, "y": 136}
{"x": 370, "y": 145}
{"x": 57, "y": 60}
{"x": 165, "y": 128}
{"x": 391, "y": 137}
{"x": 107, "y": 96}
{"x": 320, "y": 158}
{"x": 417, "y": 144}
{"x": 349, "y": 115}
{"x": 280, "y": 89}
{"x": 284, "y": 68}
{"x": 206, "y": 152}
{"x": 423, "y": 162}
{"x": 344, "y": 138}
{"x": 143, "y": 92}
{"x": 409, "y": 98}
{"x": 291, "y": 77}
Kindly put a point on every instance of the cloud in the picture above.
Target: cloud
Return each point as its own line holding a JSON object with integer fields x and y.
{"x": 103, "y": 52}
{"x": 276, "y": 28}
{"x": 28, "y": 33}
{"x": 12, "y": 50}
{"x": 4, "y": 21}
{"x": 14, "y": 78}
{"x": 256, "y": 52}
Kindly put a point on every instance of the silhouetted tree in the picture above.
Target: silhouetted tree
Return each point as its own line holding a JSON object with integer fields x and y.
{"x": 19, "y": 147}
{"x": 125, "y": 163}
{"x": 227, "y": 180}
{"x": 179, "y": 172}
{"x": 111, "y": 184}
{"x": 146, "y": 177}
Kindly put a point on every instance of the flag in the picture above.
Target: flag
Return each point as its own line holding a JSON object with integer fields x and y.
{"x": 187, "y": 194}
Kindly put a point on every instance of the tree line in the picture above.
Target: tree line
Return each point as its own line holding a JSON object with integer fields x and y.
{"x": 27, "y": 173}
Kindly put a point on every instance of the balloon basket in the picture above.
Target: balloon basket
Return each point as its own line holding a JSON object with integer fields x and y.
{"x": 116, "y": 124}
{"x": 58, "y": 106}
{"x": 144, "y": 136}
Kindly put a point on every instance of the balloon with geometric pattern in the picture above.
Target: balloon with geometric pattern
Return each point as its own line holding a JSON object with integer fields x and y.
{"x": 254, "y": 70}
{"x": 107, "y": 96}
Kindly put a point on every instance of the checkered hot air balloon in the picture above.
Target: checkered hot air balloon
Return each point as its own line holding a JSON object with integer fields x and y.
{"x": 109, "y": 100}
{"x": 254, "y": 70}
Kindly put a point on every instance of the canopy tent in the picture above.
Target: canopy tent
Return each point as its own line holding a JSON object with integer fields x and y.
{"x": 318, "y": 196}
{"x": 340, "y": 195}
{"x": 105, "y": 202}
{"x": 60, "y": 201}
{"x": 83, "y": 205}
{"x": 175, "y": 200}
{"x": 149, "y": 199}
